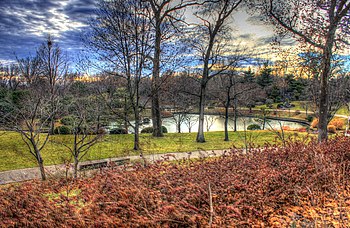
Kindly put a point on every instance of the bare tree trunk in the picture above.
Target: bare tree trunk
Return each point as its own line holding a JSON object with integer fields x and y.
{"x": 42, "y": 170}
{"x": 75, "y": 171}
{"x": 41, "y": 164}
{"x": 156, "y": 115}
{"x": 235, "y": 113}
{"x": 137, "y": 135}
{"x": 200, "y": 134}
{"x": 226, "y": 120}
{"x": 324, "y": 97}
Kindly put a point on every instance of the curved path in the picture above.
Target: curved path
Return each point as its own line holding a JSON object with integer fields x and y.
{"x": 53, "y": 171}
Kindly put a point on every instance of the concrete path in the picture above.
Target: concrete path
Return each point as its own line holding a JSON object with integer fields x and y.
{"x": 52, "y": 171}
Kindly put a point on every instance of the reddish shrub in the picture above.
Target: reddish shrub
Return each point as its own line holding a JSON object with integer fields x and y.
{"x": 302, "y": 129}
{"x": 331, "y": 129}
{"x": 338, "y": 123}
{"x": 286, "y": 128}
{"x": 314, "y": 123}
{"x": 269, "y": 186}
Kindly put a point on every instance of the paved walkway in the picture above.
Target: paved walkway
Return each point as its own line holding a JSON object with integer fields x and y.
{"x": 19, "y": 175}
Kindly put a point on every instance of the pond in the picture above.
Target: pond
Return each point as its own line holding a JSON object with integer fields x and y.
{"x": 189, "y": 123}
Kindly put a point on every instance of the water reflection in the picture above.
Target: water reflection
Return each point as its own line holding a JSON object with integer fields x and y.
{"x": 189, "y": 123}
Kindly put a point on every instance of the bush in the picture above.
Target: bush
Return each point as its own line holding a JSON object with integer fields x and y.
{"x": 269, "y": 103}
{"x": 296, "y": 184}
{"x": 150, "y": 130}
{"x": 118, "y": 131}
{"x": 331, "y": 129}
{"x": 302, "y": 129}
{"x": 63, "y": 130}
{"x": 338, "y": 123}
{"x": 280, "y": 106}
{"x": 147, "y": 130}
{"x": 101, "y": 131}
{"x": 314, "y": 123}
{"x": 253, "y": 127}
{"x": 67, "y": 120}
{"x": 309, "y": 118}
{"x": 286, "y": 128}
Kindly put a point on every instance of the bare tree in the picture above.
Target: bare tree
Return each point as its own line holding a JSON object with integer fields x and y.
{"x": 121, "y": 36}
{"x": 324, "y": 24}
{"x": 165, "y": 14}
{"x": 210, "y": 45}
{"x": 229, "y": 89}
{"x": 30, "y": 115}
{"x": 190, "y": 121}
{"x": 54, "y": 68}
{"x": 177, "y": 96}
{"x": 10, "y": 75}
{"x": 209, "y": 121}
{"x": 85, "y": 128}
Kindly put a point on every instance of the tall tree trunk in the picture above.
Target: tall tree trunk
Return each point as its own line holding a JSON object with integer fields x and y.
{"x": 226, "y": 120}
{"x": 137, "y": 117}
{"x": 156, "y": 115}
{"x": 235, "y": 113}
{"x": 137, "y": 134}
{"x": 200, "y": 134}
{"x": 324, "y": 97}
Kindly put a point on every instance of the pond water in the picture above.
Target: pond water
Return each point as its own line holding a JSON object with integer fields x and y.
{"x": 189, "y": 123}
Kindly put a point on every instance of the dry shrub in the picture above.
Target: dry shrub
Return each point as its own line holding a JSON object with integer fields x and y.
{"x": 314, "y": 123}
{"x": 267, "y": 187}
{"x": 338, "y": 123}
{"x": 286, "y": 128}
{"x": 302, "y": 129}
{"x": 331, "y": 129}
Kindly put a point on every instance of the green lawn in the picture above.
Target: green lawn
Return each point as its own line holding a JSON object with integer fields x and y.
{"x": 299, "y": 106}
{"x": 15, "y": 155}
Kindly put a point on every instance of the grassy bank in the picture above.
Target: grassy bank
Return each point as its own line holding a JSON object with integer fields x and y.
{"x": 14, "y": 153}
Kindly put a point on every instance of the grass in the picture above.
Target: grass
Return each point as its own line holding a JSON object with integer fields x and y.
{"x": 299, "y": 105}
{"x": 14, "y": 153}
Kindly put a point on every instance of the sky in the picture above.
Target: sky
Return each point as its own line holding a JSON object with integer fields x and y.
{"x": 25, "y": 24}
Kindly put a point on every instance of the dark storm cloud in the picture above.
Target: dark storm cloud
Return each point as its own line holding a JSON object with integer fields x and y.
{"x": 24, "y": 24}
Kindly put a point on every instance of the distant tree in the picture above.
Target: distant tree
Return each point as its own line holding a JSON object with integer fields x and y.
{"x": 10, "y": 76}
{"x": 265, "y": 78}
{"x": 230, "y": 89}
{"x": 84, "y": 113}
{"x": 53, "y": 68}
{"x": 121, "y": 36}
{"x": 249, "y": 75}
{"x": 210, "y": 44}
{"x": 180, "y": 93}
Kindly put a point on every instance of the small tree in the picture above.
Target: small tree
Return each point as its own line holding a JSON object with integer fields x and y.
{"x": 30, "y": 114}
{"x": 85, "y": 128}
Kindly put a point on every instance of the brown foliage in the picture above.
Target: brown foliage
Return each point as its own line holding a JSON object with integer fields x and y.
{"x": 331, "y": 129}
{"x": 338, "y": 123}
{"x": 271, "y": 186}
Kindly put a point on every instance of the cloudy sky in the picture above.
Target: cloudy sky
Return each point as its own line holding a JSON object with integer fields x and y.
{"x": 24, "y": 25}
